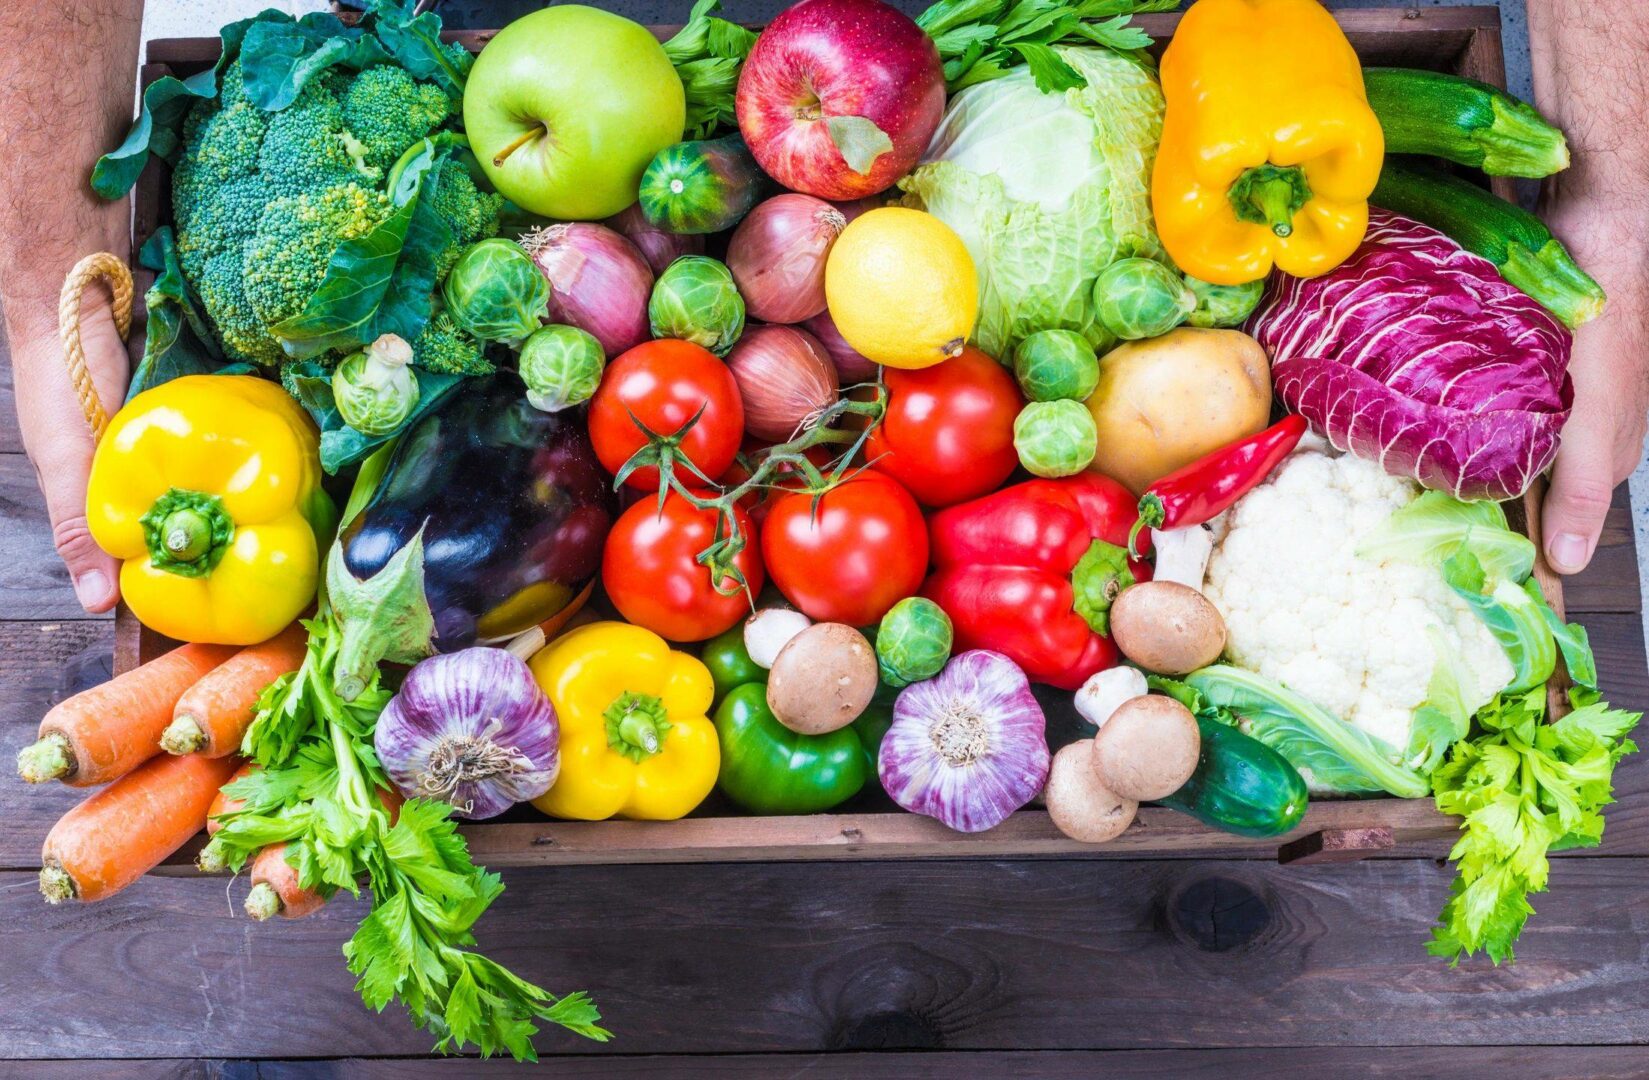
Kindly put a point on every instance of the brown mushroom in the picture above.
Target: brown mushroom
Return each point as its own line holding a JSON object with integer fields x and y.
{"x": 822, "y": 679}
{"x": 1079, "y": 804}
{"x": 1167, "y": 627}
{"x": 1148, "y": 749}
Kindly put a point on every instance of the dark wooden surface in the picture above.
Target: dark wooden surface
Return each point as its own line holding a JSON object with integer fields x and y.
{"x": 1057, "y": 968}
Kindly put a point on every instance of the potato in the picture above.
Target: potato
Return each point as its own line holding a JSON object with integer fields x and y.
{"x": 1166, "y": 627}
{"x": 1167, "y": 401}
{"x": 822, "y": 679}
{"x": 1148, "y": 749}
{"x": 1079, "y": 805}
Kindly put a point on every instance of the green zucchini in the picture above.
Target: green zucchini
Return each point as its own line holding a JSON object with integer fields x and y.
{"x": 1517, "y": 242}
{"x": 703, "y": 186}
{"x": 1465, "y": 121}
{"x": 1240, "y": 785}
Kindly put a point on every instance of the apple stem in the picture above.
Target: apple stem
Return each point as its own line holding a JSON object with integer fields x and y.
{"x": 536, "y": 131}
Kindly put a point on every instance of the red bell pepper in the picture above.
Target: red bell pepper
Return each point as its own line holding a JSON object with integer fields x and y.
{"x": 1030, "y": 572}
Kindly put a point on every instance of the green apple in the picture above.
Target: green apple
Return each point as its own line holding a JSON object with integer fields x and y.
{"x": 566, "y": 107}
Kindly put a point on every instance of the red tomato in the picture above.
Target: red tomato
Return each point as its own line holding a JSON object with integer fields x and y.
{"x": 663, "y": 384}
{"x": 862, "y": 550}
{"x": 947, "y": 435}
{"x": 651, "y": 575}
{"x": 757, "y": 502}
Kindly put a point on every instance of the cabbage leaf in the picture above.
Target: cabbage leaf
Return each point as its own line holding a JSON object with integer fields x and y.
{"x": 1436, "y": 525}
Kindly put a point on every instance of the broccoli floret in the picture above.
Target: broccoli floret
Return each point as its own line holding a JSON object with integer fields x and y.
{"x": 387, "y": 111}
{"x": 262, "y": 199}
{"x": 445, "y": 349}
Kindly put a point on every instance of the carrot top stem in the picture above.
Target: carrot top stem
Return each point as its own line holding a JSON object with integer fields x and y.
{"x": 47, "y": 759}
{"x": 211, "y": 860}
{"x": 56, "y": 885}
{"x": 263, "y": 902}
{"x": 183, "y": 735}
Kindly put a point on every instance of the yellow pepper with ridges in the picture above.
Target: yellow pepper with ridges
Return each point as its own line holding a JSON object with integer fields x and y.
{"x": 1269, "y": 148}
{"x": 636, "y": 738}
{"x": 208, "y": 488}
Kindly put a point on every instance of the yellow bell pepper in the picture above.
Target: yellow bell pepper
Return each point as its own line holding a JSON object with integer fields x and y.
{"x": 1269, "y": 148}
{"x": 636, "y": 740}
{"x": 208, "y": 488}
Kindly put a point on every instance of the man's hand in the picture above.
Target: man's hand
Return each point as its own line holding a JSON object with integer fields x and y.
{"x": 1591, "y": 77}
{"x": 1610, "y": 367}
{"x": 60, "y": 444}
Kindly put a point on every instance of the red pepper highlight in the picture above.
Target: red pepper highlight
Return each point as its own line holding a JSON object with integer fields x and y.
{"x": 1211, "y": 485}
{"x": 1030, "y": 572}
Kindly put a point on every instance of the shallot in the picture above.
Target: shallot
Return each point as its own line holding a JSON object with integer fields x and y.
{"x": 599, "y": 282}
{"x": 851, "y": 367}
{"x": 658, "y": 246}
{"x": 777, "y": 255}
{"x": 785, "y": 379}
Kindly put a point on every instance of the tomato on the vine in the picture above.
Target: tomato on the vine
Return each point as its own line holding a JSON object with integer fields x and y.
{"x": 947, "y": 435}
{"x": 651, "y": 572}
{"x": 661, "y": 385}
{"x": 757, "y": 501}
{"x": 861, "y": 550}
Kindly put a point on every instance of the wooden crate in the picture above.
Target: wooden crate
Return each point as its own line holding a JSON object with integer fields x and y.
{"x": 1462, "y": 40}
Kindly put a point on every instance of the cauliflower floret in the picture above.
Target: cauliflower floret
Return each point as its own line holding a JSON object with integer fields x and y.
{"x": 1302, "y": 609}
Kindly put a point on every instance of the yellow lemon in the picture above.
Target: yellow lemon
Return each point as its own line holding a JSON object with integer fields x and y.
{"x": 901, "y": 288}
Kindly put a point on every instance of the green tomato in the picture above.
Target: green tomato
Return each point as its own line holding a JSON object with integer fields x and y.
{"x": 1223, "y": 305}
{"x": 1141, "y": 298}
{"x": 375, "y": 391}
{"x": 729, "y": 662}
{"x": 496, "y": 292}
{"x": 561, "y": 366}
{"x": 1055, "y": 364}
{"x": 913, "y": 641}
{"x": 695, "y": 300}
{"x": 1055, "y": 438}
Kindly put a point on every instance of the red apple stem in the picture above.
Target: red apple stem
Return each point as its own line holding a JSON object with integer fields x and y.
{"x": 536, "y": 131}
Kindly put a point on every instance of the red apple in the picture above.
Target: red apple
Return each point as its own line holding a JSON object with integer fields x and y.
{"x": 839, "y": 98}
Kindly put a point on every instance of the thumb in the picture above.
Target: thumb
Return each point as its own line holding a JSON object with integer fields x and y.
{"x": 1579, "y": 496}
{"x": 63, "y": 464}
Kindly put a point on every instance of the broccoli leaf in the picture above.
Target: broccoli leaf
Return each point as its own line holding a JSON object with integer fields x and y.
{"x": 280, "y": 58}
{"x": 415, "y": 44}
{"x": 1332, "y": 754}
{"x": 166, "y": 102}
{"x": 176, "y": 338}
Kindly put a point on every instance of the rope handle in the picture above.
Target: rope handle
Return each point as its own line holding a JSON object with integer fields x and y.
{"x": 113, "y": 270}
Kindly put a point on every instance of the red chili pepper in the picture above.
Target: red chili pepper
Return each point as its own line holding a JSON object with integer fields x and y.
{"x": 1210, "y": 485}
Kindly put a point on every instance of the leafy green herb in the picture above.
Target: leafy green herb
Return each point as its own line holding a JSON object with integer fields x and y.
{"x": 981, "y": 40}
{"x": 707, "y": 53}
{"x": 316, "y": 791}
{"x": 1524, "y": 788}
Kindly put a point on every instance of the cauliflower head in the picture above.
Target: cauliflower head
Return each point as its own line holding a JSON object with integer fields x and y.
{"x": 1303, "y": 609}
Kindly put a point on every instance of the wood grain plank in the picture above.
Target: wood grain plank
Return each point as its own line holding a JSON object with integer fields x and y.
{"x": 815, "y": 957}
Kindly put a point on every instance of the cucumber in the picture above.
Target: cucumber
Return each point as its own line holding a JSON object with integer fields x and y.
{"x": 1465, "y": 121}
{"x": 701, "y": 187}
{"x": 1240, "y": 785}
{"x": 1517, "y": 242}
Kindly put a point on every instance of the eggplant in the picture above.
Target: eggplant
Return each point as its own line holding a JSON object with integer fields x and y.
{"x": 513, "y": 504}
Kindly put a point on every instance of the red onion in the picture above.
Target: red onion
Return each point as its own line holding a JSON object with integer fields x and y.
{"x": 599, "y": 282}
{"x": 851, "y": 210}
{"x": 969, "y": 746}
{"x": 472, "y": 729}
{"x": 785, "y": 378}
{"x": 658, "y": 246}
{"x": 777, "y": 256}
{"x": 850, "y": 366}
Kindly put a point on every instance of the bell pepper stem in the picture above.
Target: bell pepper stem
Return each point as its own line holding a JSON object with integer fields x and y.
{"x": 187, "y": 532}
{"x": 636, "y": 725}
{"x": 1099, "y": 576}
{"x": 1270, "y": 195}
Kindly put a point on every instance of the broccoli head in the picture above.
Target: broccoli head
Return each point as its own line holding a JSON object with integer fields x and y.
{"x": 445, "y": 349}
{"x": 261, "y": 199}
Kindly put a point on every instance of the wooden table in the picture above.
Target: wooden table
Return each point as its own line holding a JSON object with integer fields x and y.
{"x": 1051, "y": 967}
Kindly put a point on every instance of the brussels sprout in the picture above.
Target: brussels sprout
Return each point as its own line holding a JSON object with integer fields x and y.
{"x": 496, "y": 292}
{"x": 695, "y": 300}
{"x": 375, "y": 391}
{"x": 1141, "y": 298}
{"x": 1055, "y": 364}
{"x": 1223, "y": 305}
{"x": 561, "y": 366}
{"x": 1055, "y": 438}
{"x": 913, "y": 641}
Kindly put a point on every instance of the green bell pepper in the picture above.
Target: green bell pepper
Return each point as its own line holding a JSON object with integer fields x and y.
{"x": 768, "y": 769}
{"x": 729, "y": 662}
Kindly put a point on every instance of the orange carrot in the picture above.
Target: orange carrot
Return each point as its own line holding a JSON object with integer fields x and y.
{"x": 275, "y": 888}
{"x": 109, "y": 730}
{"x": 225, "y": 804}
{"x": 212, "y": 716}
{"x": 130, "y": 827}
